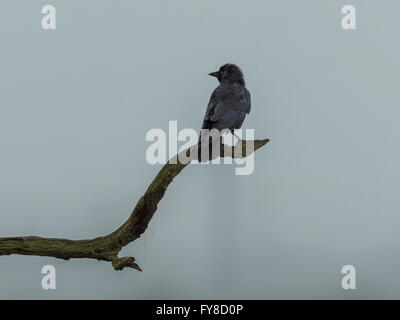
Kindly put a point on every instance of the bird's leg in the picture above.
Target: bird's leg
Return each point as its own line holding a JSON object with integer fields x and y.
{"x": 239, "y": 139}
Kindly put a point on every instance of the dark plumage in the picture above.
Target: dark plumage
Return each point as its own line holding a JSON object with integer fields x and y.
{"x": 229, "y": 102}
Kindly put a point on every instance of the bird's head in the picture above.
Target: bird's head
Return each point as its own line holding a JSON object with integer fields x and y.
{"x": 229, "y": 72}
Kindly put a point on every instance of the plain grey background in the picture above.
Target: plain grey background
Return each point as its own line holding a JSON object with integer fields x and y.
{"x": 76, "y": 103}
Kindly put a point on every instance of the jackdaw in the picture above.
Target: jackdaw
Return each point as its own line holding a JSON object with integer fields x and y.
{"x": 227, "y": 108}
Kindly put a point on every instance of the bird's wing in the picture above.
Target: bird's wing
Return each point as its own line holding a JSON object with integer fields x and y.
{"x": 232, "y": 98}
{"x": 232, "y": 119}
{"x": 229, "y": 107}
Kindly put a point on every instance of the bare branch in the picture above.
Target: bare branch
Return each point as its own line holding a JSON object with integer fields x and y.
{"x": 107, "y": 248}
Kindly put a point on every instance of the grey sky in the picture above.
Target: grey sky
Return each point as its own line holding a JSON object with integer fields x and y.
{"x": 76, "y": 104}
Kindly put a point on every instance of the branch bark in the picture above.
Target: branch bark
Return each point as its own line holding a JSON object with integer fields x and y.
{"x": 106, "y": 248}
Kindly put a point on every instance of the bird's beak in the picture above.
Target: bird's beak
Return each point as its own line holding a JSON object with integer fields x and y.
{"x": 214, "y": 74}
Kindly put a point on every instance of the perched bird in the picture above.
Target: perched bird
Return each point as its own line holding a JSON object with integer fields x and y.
{"x": 228, "y": 106}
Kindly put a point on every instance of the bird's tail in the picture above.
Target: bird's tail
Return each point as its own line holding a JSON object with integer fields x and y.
{"x": 208, "y": 146}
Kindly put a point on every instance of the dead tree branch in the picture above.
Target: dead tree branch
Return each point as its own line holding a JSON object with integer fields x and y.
{"x": 106, "y": 248}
